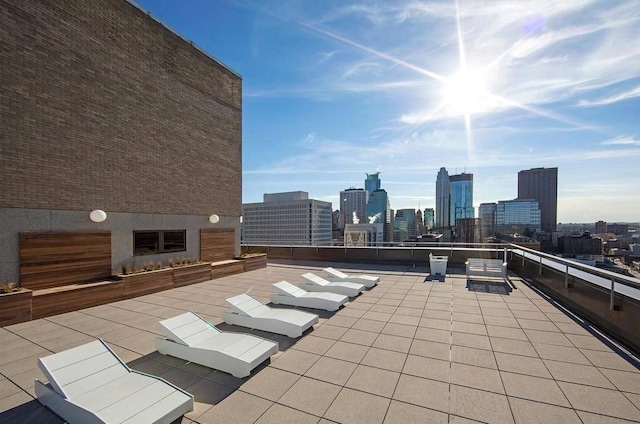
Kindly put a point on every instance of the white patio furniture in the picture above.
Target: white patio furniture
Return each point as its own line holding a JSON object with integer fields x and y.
{"x": 368, "y": 280}
{"x": 90, "y": 384}
{"x": 315, "y": 283}
{"x": 486, "y": 268}
{"x": 193, "y": 339}
{"x": 438, "y": 264}
{"x": 251, "y": 313}
{"x": 288, "y": 294}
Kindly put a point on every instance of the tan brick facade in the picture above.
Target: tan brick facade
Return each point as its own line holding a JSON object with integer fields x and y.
{"x": 103, "y": 107}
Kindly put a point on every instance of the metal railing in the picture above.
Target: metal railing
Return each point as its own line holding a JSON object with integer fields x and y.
{"x": 609, "y": 300}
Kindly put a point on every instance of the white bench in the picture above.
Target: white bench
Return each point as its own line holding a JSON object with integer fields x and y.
{"x": 486, "y": 268}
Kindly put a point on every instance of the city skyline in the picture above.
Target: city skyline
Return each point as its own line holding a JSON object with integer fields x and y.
{"x": 333, "y": 91}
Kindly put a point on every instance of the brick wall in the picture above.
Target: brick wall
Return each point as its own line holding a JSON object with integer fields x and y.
{"x": 103, "y": 107}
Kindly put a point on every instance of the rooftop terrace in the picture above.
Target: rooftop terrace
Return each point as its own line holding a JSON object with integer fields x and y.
{"x": 408, "y": 350}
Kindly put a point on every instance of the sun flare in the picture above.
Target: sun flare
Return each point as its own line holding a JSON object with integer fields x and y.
{"x": 465, "y": 92}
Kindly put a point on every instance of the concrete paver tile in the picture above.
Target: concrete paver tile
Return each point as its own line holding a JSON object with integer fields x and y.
{"x": 533, "y": 388}
{"x": 472, "y": 356}
{"x": 331, "y": 370}
{"x": 403, "y": 413}
{"x": 530, "y": 412}
{"x": 347, "y": 351}
{"x": 522, "y": 365}
{"x": 599, "y": 401}
{"x": 270, "y": 383}
{"x": 311, "y": 396}
{"x": 421, "y": 366}
{"x": 480, "y": 405}
{"x": 385, "y": 359}
{"x": 423, "y": 392}
{"x": 279, "y": 414}
{"x": 295, "y": 361}
{"x": 352, "y": 406}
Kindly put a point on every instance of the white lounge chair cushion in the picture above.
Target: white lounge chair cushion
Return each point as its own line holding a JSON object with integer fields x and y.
{"x": 246, "y": 305}
{"x": 289, "y": 289}
{"x": 339, "y": 275}
{"x": 324, "y": 283}
{"x": 250, "y": 312}
{"x": 92, "y": 377}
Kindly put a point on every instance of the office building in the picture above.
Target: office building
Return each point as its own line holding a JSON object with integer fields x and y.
{"x": 372, "y": 182}
{"x": 287, "y": 219}
{"x": 404, "y": 225}
{"x": 112, "y": 124}
{"x": 580, "y": 244}
{"x": 442, "y": 199}
{"x": 541, "y": 184}
{"x": 517, "y": 217}
{"x": 419, "y": 223}
{"x": 379, "y": 212}
{"x": 364, "y": 235}
{"x": 353, "y": 206}
{"x": 601, "y": 227}
{"x": 429, "y": 219}
{"x": 618, "y": 229}
{"x": 487, "y": 220}
{"x": 461, "y": 194}
{"x": 466, "y": 230}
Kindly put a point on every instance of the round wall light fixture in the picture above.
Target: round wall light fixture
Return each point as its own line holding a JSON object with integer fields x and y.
{"x": 98, "y": 215}
{"x": 214, "y": 219}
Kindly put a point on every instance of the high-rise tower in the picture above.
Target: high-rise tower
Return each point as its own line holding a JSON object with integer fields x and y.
{"x": 541, "y": 184}
{"x": 353, "y": 206}
{"x": 442, "y": 199}
{"x": 461, "y": 205}
{"x": 372, "y": 183}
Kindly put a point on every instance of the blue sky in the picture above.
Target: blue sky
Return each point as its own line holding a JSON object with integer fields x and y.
{"x": 335, "y": 89}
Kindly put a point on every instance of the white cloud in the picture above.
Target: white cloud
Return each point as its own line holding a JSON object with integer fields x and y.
{"x": 614, "y": 98}
{"x": 622, "y": 141}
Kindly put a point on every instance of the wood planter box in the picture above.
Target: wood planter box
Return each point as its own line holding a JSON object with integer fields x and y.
{"x": 224, "y": 268}
{"x": 15, "y": 307}
{"x": 146, "y": 282}
{"x": 254, "y": 261}
{"x": 191, "y": 274}
{"x": 73, "y": 297}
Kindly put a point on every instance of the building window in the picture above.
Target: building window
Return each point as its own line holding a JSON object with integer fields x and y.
{"x": 152, "y": 242}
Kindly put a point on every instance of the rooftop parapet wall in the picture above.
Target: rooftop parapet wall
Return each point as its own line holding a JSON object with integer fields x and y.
{"x": 103, "y": 106}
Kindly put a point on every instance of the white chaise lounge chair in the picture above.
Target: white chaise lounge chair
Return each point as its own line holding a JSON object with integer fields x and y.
{"x": 193, "y": 339}
{"x": 315, "y": 283}
{"x": 288, "y": 294}
{"x": 90, "y": 384}
{"x": 335, "y": 275}
{"x": 251, "y": 313}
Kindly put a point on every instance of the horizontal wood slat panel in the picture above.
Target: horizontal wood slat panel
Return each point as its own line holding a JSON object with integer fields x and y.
{"x": 192, "y": 274}
{"x": 225, "y": 268}
{"x": 55, "y": 259}
{"x": 59, "y": 300}
{"x": 217, "y": 244}
{"x": 147, "y": 282}
{"x": 15, "y": 307}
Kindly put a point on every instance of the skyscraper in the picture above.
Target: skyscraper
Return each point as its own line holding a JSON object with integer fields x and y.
{"x": 541, "y": 184}
{"x": 353, "y": 204}
{"x": 461, "y": 205}
{"x": 429, "y": 218}
{"x": 379, "y": 211}
{"x": 404, "y": 225}
{"x": 372, "y": 183}
{"x": 442, "y": 199}
{"x": 487, "y": 218}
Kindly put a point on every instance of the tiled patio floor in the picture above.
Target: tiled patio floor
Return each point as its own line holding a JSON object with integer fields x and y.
{"x": 406, "y": 351}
